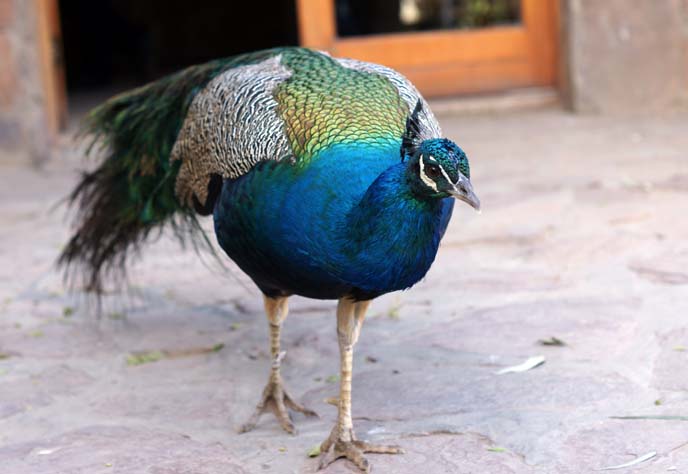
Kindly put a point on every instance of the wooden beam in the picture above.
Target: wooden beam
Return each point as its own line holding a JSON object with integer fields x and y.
{"x": 317, "y": 23}
{"x": 51, "y": 65}
{"x": 438, "y": 47}
{"x": 541, "y": 20}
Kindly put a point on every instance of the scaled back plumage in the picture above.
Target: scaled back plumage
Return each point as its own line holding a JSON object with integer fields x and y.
{"x": 290, "y": 106}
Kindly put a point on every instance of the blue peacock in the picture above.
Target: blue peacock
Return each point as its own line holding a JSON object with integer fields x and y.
{"x": 326, "y": 177}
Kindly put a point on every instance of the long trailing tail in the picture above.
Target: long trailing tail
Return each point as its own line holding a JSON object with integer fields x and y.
{"x": 131, "y": 192}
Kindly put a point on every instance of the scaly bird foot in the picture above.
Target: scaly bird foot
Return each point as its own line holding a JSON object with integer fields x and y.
{"x": 276, "y": 400}
{"x": 345, "y": 445}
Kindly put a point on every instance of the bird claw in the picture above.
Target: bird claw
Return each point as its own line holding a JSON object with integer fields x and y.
{"x": 345, "y": 445}
{"x": 276, "y": 400}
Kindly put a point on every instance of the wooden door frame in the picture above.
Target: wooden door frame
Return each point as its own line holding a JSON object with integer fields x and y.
{"x": 450, "y": 61}
{"x": 49, "y": 42}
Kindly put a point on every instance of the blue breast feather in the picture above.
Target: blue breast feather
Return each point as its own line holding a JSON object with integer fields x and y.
{"x": 343, "y": 224}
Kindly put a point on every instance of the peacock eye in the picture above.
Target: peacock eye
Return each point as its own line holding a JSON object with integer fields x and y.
{"x": 433, "y": 171}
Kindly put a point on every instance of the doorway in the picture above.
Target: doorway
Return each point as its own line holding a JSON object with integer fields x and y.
{"x": 95, "y": 49}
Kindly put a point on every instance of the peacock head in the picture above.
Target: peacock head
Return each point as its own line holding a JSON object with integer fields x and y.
{"x": 436, "y": 167}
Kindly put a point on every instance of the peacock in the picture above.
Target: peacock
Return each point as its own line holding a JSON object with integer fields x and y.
{"x": 326, "y": 177}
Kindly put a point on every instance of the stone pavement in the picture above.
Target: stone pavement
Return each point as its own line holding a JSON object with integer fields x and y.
{"x": 583, "y": 237}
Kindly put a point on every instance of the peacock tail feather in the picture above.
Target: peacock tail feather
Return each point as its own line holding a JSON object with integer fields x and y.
{"x": 131, "y": 193}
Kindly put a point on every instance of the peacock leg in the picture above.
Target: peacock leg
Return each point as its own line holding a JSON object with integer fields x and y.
{"x": 342, "y": 441}
{"x": 275, "y": 398}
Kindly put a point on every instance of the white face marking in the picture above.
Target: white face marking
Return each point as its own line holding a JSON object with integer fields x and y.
{"x": 446, "y": 176}
{"x": 444, "y": 173}
{"x": 428, "y": 182}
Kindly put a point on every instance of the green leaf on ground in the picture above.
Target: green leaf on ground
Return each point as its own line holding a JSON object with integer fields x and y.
{"x": 332, "y": 378}
{"x": 36, "y": 333}
{"x": 314, "y": 451}
{"x": 67, "y": 311}
{"x": 218, "y": 347}
{"x": 681, "y": 348}
{"x": 140, "y": 358}
{"x": 496, "y": 449}
{"x": 234, "y": 326}
{"x": 393, "y": 312}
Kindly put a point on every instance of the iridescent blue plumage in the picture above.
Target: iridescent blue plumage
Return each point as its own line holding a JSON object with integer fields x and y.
{"x": 348, "y": 224}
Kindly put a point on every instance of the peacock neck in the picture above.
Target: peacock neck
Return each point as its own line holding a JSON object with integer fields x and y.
{"x": 394, "y": 233}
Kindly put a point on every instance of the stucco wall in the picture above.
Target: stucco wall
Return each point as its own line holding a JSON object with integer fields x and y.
{"x": 23, "y": 124}
{"x": 625, "y": 55}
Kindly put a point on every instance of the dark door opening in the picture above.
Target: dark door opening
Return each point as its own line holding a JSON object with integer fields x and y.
{"x": 112, "y": 45}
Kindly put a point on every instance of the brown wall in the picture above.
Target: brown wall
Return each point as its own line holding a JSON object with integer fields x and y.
{"x": 626, "y": 56}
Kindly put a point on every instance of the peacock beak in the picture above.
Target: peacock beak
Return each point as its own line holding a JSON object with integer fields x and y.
{"x": 463, "y": 191}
